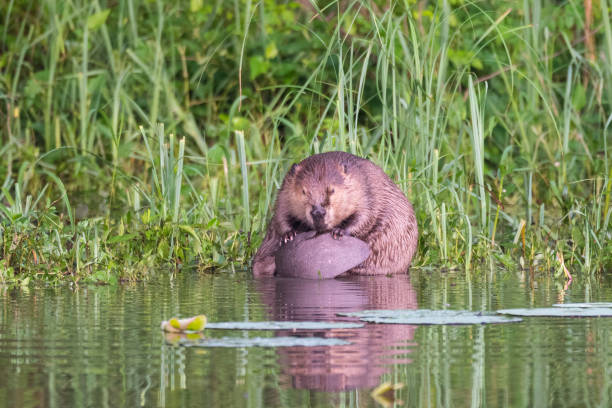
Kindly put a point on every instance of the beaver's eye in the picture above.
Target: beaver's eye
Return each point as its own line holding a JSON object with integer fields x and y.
{"x": 331, "y": 190}
{"x": 304, "y": 191}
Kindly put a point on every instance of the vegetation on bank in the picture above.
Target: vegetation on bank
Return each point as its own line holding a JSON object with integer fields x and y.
{"x": 493, "y": 117}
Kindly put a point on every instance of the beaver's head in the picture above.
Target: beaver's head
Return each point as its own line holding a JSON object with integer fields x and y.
{"x": 323, "y": 193}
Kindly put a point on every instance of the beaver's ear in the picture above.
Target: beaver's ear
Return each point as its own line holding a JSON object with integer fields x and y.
{"x": 294, "y": 169}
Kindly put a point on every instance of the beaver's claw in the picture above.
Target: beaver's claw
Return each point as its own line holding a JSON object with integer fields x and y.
{"x": 337, "y": 233}
{"x": 287, "y": 236}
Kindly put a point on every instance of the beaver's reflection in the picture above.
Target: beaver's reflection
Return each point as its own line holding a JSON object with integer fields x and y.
{"x": 373, "y": 348}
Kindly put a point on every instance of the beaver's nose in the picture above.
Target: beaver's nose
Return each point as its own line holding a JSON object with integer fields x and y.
{"x": 317, "y": 212}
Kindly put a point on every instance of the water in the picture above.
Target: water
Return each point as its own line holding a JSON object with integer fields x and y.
{"x": 102, "y": 346}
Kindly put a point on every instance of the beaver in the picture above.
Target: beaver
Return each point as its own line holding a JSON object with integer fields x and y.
{"x": 345, "y": 195}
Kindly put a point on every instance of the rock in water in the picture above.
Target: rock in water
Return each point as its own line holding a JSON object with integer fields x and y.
{"x": 312, "y": 256}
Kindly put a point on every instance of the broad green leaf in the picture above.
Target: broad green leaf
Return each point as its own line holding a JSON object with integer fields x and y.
{"x": 271, "y": 50}
{"x": 240, "y": 123}
{"x": 578, "y": 97}
{"x": 163, "y": 249}
{"x": 195, "y": 5}
{"x": 215, "y": 154}
{"x": 122, "y": 238}
{"x": 258, "y": 66}
{"x": 189, "y": 229}
{"x": 96, "y": 20}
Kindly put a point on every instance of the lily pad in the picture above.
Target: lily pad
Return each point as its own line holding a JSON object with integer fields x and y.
{"x": 283, "y": 325}
{"x": 319, "y": 256}
{"x": 427, "y": 317}
{"x": 584, "y": 305}
{"x": 560, "y": 312}
{"x": 233, "y": 342}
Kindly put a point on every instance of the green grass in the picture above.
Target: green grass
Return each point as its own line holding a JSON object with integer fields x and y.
{"x": 493, "y": 118}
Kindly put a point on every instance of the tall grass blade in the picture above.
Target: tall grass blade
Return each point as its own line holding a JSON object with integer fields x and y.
{"x": 476, "y": 115}
{"x": 245, "y": 181}
{"x": 64, "y": 195}
{"x": 178, "y": 181}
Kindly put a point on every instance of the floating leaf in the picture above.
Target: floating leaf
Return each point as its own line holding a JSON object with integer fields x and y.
{"x": 585, "y": 305}
{"x": 283, "y": 325}
{"x": 266, "y": 342}
{"x": 424, "y": 316}
{"x": 565, "y": 311}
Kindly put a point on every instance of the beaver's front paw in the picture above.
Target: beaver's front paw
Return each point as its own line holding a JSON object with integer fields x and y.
{"x": 287, "y": 236}
{"x": 337, "y": 233}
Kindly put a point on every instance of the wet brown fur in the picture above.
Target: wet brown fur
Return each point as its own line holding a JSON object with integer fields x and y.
{"x": 359, "y": 200}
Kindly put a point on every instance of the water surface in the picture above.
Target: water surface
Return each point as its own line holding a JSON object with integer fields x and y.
{"x": 102, "y": 346}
